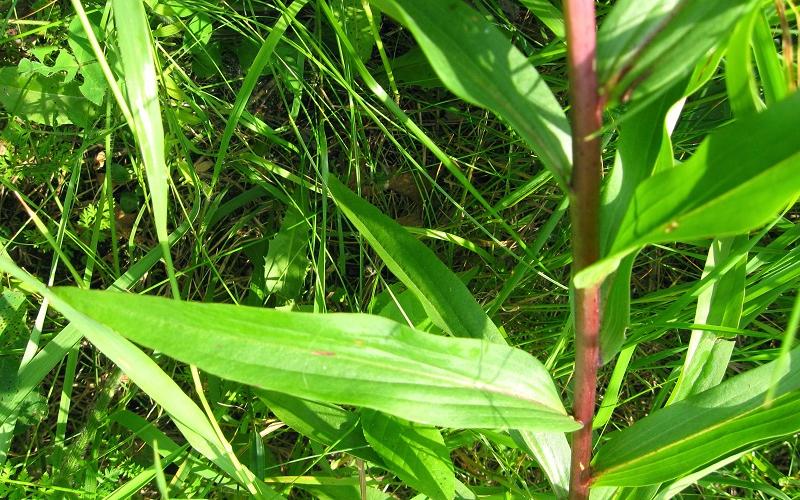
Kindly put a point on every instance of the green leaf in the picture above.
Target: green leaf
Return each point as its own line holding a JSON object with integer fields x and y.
{"x": 145, "y": 373}
{"x": 139, "y": 66}
{"x": 94, "y": 86}
{"x": 415, "y": 453}
{"x": 41, "y": 99}
{"x": 645, "y": 46}
{"x": 445, "y": 297}
{"x": 476, "y": 61}
{"x": 324, "y": 423}
{"x": 720, "y": 304}
{"x": 286, "y": 263}
{"x": 449, "y": 304}
{"x": 548, "y": 14}
{"x": 703, "y": 429}
{"x": 342, "y": 358}
{"x": 353, "y": 18}
{"x": 740, "y": 169}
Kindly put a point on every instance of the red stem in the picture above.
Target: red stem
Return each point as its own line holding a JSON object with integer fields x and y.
{"x": 584, "y": 208}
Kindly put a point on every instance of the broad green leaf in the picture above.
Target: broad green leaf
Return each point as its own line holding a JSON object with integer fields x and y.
{"x": 342, "y": 358}
{"x": 645, "y": 46}
{"x": 146, "y": 374}
{"x": 94, "y": 84}
{"x": 476, "y": 61}
{"x": 741, "y": 169}
{"x": 449, "y": 304}
{"x": 64, "y": 63}
{"x": 446, "y": 299}
{"x": 42, "y": 99}
{"x": 325, "y": 423}
{"x": 415, "y": 453}
{"x": 703, "y": 429}
{"x": 643, "y": 144}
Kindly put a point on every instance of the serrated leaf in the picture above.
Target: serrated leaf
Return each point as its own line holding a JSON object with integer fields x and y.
{"x": 342, "y": 358}
{"x": 703, "y": 429}
{"x": 415, "y": 453}
{"x": 44, "y": 100}
{"x": 478, "y": 63}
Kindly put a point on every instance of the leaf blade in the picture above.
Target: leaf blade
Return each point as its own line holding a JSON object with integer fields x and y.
{"x": 480, "y": 65}
{"x": 702, "y": 429}
{"x": 342, "y": 358}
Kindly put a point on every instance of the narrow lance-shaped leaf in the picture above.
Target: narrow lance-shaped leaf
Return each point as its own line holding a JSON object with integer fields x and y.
{"x": 644, "y": 46}
{"x": 342, "y": 358}
{"x": 146, "y": 374}
{"x": 450, "y": 305}
{"x": 478, "y": 63}
{"x": 416, "y": 453}
{"x": 445, "y": 297}
{"x": 737, "y": 180}
{"x": 703, "y": 428}
{"x": 138, "y": 64}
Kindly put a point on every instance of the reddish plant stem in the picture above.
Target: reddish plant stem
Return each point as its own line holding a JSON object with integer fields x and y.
{"x": 586, "y": 121}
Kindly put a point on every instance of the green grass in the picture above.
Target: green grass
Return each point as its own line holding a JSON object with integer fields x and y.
{"x": 86, "y": 431}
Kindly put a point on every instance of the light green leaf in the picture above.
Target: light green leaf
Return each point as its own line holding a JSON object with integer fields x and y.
{"x": 645, "y": 46}
{"x": 342, "y": 358}
{"x": 94, "y": 86}
{"x": 449, "y": 304}
{"x": 139, "y": 68}
{"x": 703, "y": 429}
{"x": 446, "y": 299}
{"x": 42, "y": 99}
{"x": 146, "y": 374}
{"x": 415, "y": 453}
{"x": 740, "y": 169}
{"x": 476, "y": 61}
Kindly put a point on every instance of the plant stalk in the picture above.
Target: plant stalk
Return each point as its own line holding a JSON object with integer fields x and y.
{"x": 586, "y": 120}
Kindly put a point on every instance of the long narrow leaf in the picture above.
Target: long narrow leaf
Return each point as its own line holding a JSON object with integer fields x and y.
{"x": 341, "y": 358}
{"x": 450, "y": 306}
{"x": 704, "y": 428}
{"x": 145, "y": 373}
{"x": 738, "y": 179}
{"x": 478, "y": 63}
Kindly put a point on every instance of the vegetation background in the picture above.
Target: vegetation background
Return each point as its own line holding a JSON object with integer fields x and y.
{"x": 252, "y": 227}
